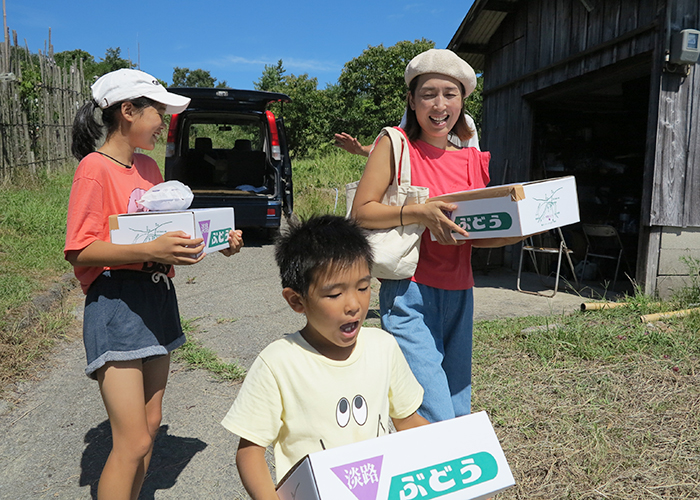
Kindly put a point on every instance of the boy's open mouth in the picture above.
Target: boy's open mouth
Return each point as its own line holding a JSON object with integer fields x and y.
{"x": 349, "y": 328}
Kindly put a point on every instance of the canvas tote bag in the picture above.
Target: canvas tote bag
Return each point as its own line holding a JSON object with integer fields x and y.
{"x": 395, "y": 249}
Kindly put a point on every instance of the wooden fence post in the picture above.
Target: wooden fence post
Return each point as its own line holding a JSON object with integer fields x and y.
{"x": 35, "y": 122}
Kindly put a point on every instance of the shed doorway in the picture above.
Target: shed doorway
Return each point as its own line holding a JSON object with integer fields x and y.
{"x": 596, "y": 130}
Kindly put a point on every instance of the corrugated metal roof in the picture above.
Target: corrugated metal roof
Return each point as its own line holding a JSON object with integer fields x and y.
{"x": 477, "y": 28}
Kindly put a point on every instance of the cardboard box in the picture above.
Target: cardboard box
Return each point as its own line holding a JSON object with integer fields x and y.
{"x": 458, "y": 459}
{"x": 515, "y": 209}
{"x": 212, "y": 224}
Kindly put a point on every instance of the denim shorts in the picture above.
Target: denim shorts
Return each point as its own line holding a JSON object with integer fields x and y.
{"x": 130, "y": 315}
{"x": 433, "y": 327}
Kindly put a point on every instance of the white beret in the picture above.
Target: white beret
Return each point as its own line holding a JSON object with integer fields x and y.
{"x": 443, "y": 62}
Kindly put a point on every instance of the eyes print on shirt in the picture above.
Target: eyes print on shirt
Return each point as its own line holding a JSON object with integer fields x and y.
{"x": 358, "y": 408}
{"x": 342, "y": 412}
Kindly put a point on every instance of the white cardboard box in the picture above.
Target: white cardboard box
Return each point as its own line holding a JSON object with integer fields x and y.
{"x": 458, "y": 459}
{"x": 212, "y": 224}
{"x": 519, "y": 209}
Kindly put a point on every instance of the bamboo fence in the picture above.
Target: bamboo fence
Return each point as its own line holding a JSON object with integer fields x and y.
{"x": 38, "y": 101}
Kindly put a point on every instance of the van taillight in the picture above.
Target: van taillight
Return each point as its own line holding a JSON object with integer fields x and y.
{"x": 170, "y": 146}
{"x": 274, "y": 136}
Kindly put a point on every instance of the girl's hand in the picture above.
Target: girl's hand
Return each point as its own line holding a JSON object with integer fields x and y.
{"x": 235, "y": 243}
{"x": 434, "y": 218}
{"x": 176, "y": 248}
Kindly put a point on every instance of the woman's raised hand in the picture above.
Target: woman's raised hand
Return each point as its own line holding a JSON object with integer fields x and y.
{"x": 351, "y": 144}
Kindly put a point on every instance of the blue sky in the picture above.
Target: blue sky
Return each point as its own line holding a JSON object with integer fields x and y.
{"x": 233, "y": 40}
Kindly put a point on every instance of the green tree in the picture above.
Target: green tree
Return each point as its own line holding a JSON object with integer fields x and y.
{"x": 272, "y": 78}
{"x": 112, "y": 61}
{"x": 370, "y": 94}
{"x": 372, "y": 89}
{"x": 183, "y": 77}
{"x": 474, "y": 103}
{"x": 30, "y": 94}
{"x": 92, "y": 69}
{"x": 68, "y": 58}
{"x": 301, "y": 116}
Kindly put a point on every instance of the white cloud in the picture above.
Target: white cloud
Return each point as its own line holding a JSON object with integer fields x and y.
{"x": 292, "y": 65}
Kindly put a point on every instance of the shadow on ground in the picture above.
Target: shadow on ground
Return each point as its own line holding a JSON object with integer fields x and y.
{"x": 171, "y": 454}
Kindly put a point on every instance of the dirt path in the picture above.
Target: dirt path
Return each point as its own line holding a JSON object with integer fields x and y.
{"x": 54, "y": 436}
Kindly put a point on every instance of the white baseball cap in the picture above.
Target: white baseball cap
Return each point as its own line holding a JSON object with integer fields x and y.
{"x": 126, "y": 84}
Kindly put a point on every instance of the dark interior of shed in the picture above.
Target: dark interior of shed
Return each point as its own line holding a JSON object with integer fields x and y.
{"x": 597, "y": 134}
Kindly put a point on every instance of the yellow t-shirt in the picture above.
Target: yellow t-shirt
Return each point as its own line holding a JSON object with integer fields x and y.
{"x": 303, "y": 402}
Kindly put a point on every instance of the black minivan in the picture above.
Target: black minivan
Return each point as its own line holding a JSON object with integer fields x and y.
{"x": 232, "y": 152}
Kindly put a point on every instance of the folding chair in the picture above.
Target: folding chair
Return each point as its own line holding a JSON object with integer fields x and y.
{"x": 532, "y": 249}
{"x": 602, "y": 242}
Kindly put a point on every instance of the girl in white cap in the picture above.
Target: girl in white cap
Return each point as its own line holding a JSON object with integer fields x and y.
{"x": 431, "y": 314}
{"x": 131, "y": 320}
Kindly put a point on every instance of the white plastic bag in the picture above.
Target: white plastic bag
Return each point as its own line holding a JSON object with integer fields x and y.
{"x": 169, "y": 195}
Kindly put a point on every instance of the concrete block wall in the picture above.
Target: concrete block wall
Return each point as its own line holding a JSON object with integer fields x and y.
{"x": 676, "y": 244}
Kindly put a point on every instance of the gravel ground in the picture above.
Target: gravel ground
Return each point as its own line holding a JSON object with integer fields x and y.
{"x": 54, "y": 433}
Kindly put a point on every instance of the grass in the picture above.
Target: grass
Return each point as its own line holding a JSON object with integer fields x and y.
{"x": 195, "y": 355}
{"x": 27, "y": 335}
{"x": 32, "y": 233}
{"x": 319, "y": 183}
{"x": 158, "y": 153}
{"x": 594, "y": 405}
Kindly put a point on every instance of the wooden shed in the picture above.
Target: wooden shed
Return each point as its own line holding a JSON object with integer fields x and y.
{"x": 586, "y": 88}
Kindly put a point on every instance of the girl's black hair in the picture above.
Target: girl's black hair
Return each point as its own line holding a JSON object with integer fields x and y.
{"x": 326, "y": 243}
{"x": 87, "y": 130}
{"x": 461, "y": 129}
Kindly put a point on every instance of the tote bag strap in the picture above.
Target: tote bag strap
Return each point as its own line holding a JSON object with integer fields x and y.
{"x": 402, "y": 157}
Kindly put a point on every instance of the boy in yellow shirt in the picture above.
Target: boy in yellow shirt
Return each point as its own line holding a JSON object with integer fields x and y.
{"x": 334, "y": 382}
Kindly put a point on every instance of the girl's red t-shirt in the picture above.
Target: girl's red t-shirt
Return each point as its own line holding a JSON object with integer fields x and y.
{"x": 100, "y": 189}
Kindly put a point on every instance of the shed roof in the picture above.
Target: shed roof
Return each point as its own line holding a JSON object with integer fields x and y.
{"x": 471, "y": 40}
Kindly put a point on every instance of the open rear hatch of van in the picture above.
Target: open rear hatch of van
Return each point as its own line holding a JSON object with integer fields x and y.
{"x": 226, "y": 147}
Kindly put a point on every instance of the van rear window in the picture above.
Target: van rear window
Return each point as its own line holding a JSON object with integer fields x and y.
{"x": 223, "y": 135}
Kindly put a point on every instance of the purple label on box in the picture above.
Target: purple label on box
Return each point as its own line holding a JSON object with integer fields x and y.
{"x": 204, "y": 228}
{"x": 361, "y": 478}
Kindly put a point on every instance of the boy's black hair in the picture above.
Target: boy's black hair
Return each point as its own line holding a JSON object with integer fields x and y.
{"x": 313, "y": 246}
